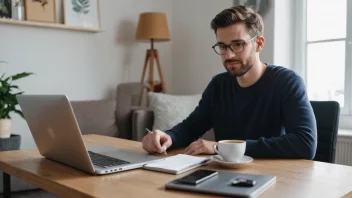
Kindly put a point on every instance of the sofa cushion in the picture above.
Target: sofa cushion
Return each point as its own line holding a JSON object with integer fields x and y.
{"x": 96, "y": 116}
{"x": 169, "y": 110}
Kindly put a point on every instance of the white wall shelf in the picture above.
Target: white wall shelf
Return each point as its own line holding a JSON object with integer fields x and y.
{"x": 48, "y": 25}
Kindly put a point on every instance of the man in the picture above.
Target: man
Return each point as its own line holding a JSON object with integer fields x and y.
{"x": 265, "y": 105}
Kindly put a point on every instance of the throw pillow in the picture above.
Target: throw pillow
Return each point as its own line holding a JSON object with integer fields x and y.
{"x": 169, "y": 110}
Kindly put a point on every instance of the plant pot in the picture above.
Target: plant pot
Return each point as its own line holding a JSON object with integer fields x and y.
{"x": 12, "y": 143}
{"x": 5, "y": 128}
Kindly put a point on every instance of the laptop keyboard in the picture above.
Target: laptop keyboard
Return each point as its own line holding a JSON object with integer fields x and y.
{"x": 105, "y": 161}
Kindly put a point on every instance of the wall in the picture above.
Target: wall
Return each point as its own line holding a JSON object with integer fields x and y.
{"x": 194, "y": 62}
{"x": 283, "y": 41}
{"x": 78, "y": 64}
{"x": 267, "y": 54}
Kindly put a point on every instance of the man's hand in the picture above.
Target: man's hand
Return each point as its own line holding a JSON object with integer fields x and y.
{"x": 200, "y": 147}
{"x": 157, "y": 141}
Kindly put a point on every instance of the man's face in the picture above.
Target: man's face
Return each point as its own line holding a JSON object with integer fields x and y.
{"x": 237, "y": 63}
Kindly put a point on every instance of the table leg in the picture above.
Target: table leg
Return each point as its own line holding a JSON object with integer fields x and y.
{"x": 7, "y": 184}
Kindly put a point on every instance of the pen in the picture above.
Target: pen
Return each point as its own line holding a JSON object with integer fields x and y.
{"x": 149, "y": 131}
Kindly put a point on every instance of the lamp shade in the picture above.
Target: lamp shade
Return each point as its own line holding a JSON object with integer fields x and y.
{"x": 152, "y": 25}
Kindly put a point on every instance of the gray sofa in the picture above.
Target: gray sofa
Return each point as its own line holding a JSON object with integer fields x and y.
{"x": 143, "y": 117}
{"x": 110, "y": 117}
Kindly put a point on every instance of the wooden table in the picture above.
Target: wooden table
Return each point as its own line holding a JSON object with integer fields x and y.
{"x": 295, "y": 178}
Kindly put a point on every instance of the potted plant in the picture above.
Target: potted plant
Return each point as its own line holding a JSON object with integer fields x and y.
{"x": 8, "y": 101}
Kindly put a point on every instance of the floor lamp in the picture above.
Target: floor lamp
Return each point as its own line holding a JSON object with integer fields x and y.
{"x": 152, "y": 27}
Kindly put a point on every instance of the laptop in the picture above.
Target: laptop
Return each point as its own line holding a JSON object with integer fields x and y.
{"x": 57, "y": 135}
{"x": 221, "y": 184}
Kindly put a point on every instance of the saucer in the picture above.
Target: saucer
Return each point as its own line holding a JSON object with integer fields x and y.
{"x": 244, "y": 161}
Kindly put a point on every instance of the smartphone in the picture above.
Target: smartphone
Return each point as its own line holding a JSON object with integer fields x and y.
{"x": 197, "y": 176}
{"x": 243, "y": 182}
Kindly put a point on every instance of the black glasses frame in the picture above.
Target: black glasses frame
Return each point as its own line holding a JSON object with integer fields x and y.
{"x": 229, "y": 46}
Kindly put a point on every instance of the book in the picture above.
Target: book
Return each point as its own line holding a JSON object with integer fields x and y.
{"x": 176, "y": 164}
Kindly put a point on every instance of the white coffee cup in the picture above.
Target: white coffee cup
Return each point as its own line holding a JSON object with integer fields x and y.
{"x": 230, "y": 150}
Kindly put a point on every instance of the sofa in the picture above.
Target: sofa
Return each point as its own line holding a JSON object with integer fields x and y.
{"x": 163, "y": 112}
{"x": 110, "y": 117}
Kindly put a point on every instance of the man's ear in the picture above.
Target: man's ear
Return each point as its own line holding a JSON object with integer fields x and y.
{"x": 260, "y": 43}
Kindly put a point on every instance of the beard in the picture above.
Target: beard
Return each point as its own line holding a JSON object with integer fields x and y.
{"x": 240, "y": 68}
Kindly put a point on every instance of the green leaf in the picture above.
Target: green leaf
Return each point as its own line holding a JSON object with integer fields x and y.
{"x": 19, "y": 93}
{"x": 8, "y": 100}
{"x": 19, "y": 113}
{"x": 80, "y": 6}
{"x": 21, "y": 75}
{"x": 74, "y": 3}
{"x": 3, "y": 90}
{"x": 76, "y": 9}
{"x": 14, "y": 86}
{"x": 7, "y": 79}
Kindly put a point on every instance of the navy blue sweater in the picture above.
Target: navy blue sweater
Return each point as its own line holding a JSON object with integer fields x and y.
{"x": 273, "y": 115}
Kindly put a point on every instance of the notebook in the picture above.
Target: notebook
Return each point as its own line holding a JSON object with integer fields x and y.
{"x": 177, "y": 164}
{"x": 221, "y": 185}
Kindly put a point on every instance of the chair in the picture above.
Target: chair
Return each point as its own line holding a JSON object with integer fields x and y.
{"x": 327, "y": 118}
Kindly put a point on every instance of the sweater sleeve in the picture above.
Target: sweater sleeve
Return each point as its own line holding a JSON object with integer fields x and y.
{"x": 196, "y": 124}
{"x": 300, "y": 138}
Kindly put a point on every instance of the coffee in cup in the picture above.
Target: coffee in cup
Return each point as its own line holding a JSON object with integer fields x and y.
{"x": 230, "y": 150}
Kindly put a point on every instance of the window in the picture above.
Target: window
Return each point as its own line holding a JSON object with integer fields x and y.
{"x": 326, "y": 50}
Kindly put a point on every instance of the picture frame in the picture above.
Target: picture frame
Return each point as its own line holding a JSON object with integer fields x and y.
{"x": 5, "y": 9}
{"x": 40, "y": 10}
{"x": 82, "y": 13}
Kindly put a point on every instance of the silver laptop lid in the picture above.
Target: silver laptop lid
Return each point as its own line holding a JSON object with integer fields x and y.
{"x": 56, "y": 133}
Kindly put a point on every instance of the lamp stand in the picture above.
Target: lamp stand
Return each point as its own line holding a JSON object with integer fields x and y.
{"x": 151, "y": 55}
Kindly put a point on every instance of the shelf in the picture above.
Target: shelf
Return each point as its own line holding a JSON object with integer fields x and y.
{"x": 48, "y": 25}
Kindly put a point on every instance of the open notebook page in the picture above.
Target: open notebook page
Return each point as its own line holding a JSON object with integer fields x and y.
{"x": 177, "y": 164}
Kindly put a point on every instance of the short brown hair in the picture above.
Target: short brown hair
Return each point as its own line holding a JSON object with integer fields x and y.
{"x": 236, "y": 14}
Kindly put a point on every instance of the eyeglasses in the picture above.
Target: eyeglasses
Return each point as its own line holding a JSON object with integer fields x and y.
{"x": 221, "y": 48}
